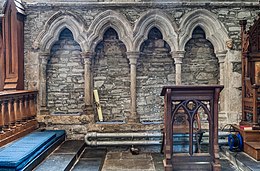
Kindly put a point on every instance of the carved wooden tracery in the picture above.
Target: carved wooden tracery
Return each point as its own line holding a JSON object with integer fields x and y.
{"x": 250, "y": 72}
{"x": 191, "y": 99}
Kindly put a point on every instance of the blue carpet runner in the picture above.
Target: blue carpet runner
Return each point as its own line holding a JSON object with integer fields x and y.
{"x": 18, "y": 154}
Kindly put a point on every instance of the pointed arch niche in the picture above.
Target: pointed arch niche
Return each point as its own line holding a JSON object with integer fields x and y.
{"x": 200, "y": 64}
{"x": 110, "y": 19}
{"x": 160, "y": 20}
{"x": 48, "y": 37}
{"x": 111, "y": 77}
{"x": 105, "y": 23}
{"x": 155, "y": 68}
{"x": 217, "y": 35}
{"x": 65, "y": 76}
{"x": 214, "y": 30}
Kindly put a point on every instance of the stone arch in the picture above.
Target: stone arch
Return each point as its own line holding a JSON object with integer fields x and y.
{"x": 154, "y": 68}
{"x": 110, "y": 19}
{"x": 200, "y": 51}
{"x": 160, "y": 20}
{"x": 53, "y": 27}
{"x": 215, "y": 31}
{"x": 64, "y": 73}
{"x": 110, "y": 74}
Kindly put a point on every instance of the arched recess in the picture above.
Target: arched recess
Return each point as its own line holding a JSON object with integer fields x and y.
{"x": 160, "y": 20}
{"x": 53, "y": 27}
{"x": 48, "y": 37}
{"x": 114, "y": 20}
{"x": 155, "y": 68}
{"x": 200, "y": 64}
{"x": 110, "y": 70}
{"x": 215, "y": 31}
{"x": 65, "y": 76}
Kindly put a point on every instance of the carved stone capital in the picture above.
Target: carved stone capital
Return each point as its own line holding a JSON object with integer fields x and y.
{"x": 87, "y": 54}
{"x": 132, "y": 56}
{"x": 178, "y": 56}
{"x": 44, "y": 57}
{"x": 221, "y": 56}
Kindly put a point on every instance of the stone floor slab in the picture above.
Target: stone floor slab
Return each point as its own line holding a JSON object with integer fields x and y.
{"x": 88, "y": 165}
{"x": 70, "y": 147}
{"x": 241, "y": 160}
{"x": 126, "y": 161}
{"x": 94, "y": 153}
{"x": 56, "y": 162}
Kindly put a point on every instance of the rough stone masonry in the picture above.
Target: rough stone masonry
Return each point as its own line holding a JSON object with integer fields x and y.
{"x": 172, "y": 42}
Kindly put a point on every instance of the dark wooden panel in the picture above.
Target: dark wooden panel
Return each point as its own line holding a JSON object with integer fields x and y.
{"x": 13, "y": 34}
{"x": 2, "y": 62}
{"x": 250, "y": 72}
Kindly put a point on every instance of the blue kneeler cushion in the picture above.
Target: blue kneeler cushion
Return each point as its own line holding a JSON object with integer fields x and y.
{"x": 16, "y": 155}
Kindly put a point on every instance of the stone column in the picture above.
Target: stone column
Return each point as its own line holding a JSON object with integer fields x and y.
{"x": 43, "y": 60}
{"x": 132, "y": 56}
{"x": 221, "y": 59}
{"x": 87, "y": 56}
{"x": 178, "y": 56}
{"x": 223, "y": 99}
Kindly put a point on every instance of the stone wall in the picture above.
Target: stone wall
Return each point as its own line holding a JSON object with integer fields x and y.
{"x": 65, "y": 81}
{"x": 111, "y": 77}
{"x": 156, "y": 66}
{"x": 200, "y": 64}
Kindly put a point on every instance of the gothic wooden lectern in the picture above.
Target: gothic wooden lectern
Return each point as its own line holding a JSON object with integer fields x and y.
{"x": 190, "y": 99}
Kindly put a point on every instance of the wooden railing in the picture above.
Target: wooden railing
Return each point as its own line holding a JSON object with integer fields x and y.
{"x": 17, "y": 114}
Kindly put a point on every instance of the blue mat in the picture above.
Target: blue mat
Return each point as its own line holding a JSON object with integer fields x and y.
{"x": 16, "y": 155}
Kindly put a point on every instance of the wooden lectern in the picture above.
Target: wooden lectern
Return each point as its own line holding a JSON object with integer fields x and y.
{"x": 190, "y": 99}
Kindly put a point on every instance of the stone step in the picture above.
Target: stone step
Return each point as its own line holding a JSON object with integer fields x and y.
{"x": 91, "y": 159}
{"x": 252, "y": 149}
{"x": 64, "y": 157}
{"x": 241, "y": 160}
{"x": 186, "y": 166}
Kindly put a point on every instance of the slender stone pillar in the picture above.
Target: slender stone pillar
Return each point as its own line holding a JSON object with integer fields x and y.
{"x": 132, "y": 56}
{"x": 43, "y": 60}
{"x": 221, "y": 59}
{"x": 178, "y": 56}
{"x": 223, "y": 99}
{"x": 88, "y": 81}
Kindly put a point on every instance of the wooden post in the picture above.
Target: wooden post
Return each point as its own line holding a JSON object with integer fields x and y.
{"x": 11, "y": 112}
{"x": 6, "y": 114}
{"x": 168, "y": 148}
{"x": 17, "y": 111}
{"x": 1, "y": 116}
{"x": 32, "y": 106}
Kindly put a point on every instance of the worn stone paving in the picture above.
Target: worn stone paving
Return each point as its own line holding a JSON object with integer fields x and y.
{"x": 117, "y": 161}
{"x": 91, "y": 160}
{"x": 125, "y": 161}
